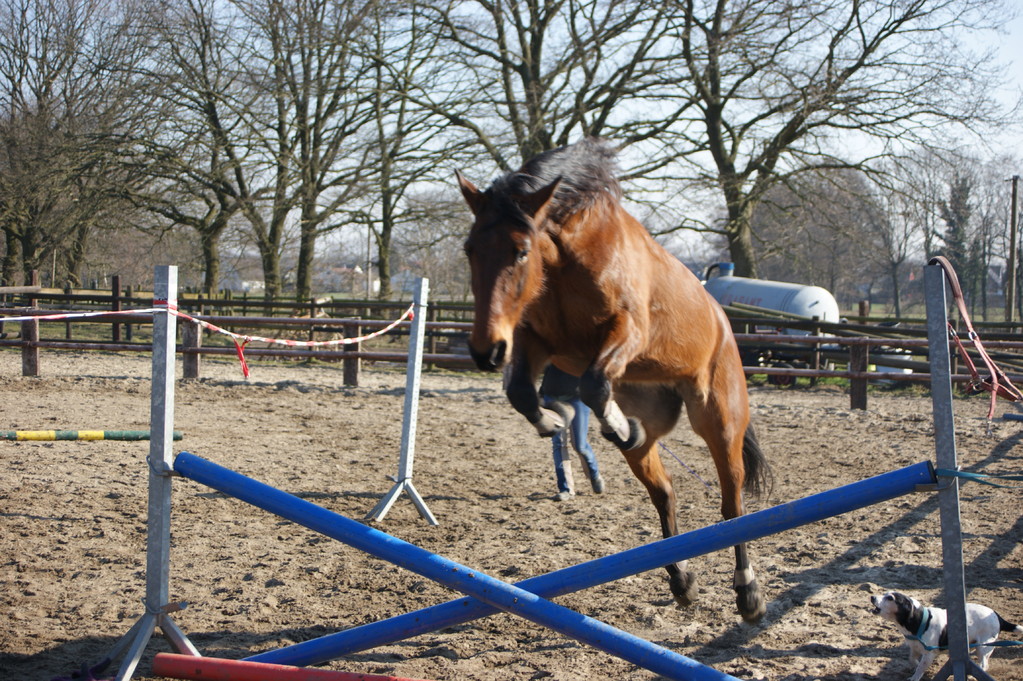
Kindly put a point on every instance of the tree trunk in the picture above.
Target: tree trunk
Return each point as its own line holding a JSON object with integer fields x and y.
{"x": 29, "y": 253}
{"x": 306, "y": 250}
{"x": 740, "y": 239}
{"x": 210, "y": 242}
{"x": 75, "y": 256}
{"x": 12, "y": 259}
{"x": 739, "y": 230}
{"x": 895, "y": 289}
{"x": 268, "y": 236}
{"x": 271, "y": 273}
{"x": 383, "y": 239}
{"x": 384, "y": 262}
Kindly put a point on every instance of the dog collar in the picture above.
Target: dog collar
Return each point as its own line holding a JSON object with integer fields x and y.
{"x": 925, "y": 621}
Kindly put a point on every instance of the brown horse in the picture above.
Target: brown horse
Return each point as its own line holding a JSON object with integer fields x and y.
{"x": 562, "y": 273}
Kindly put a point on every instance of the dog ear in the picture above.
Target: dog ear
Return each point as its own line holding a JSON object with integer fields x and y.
{"x": 905, "y": 608}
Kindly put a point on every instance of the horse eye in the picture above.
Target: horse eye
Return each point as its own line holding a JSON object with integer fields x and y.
{"x": 522, "y": 256}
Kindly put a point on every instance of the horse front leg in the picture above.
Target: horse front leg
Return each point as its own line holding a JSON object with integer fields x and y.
{"x": 623, "y": 341}
{"x": 596, "y": 393}
{"x": 520, "y": 387}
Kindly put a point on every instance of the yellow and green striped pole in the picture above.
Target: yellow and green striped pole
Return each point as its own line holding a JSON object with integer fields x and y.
{"x": 49, "y": 435}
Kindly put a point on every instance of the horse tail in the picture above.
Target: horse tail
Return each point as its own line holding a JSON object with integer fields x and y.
{"x": 759, "y": 480}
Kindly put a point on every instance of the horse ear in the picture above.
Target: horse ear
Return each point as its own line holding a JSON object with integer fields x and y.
{"x": 473, "y": 196}
{"x": 536, "y": 204}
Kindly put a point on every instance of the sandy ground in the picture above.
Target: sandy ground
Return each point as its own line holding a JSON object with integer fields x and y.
{"x": 73, "y": 526}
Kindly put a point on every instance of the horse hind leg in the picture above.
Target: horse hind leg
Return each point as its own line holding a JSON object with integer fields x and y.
{"x": 646, "y": 465}
{"x": 748, "y": 598}
{"x": 739, "y": 464}
{"x": 660, "y": 409}
{"x": 757, "y": 480}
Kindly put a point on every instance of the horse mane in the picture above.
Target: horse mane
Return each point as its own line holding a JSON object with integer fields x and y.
{"x": 587, "y": 171}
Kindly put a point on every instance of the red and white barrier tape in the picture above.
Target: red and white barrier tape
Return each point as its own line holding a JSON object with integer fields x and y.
{"x": 240, "y": 340}
{"x": 77, "y": 315}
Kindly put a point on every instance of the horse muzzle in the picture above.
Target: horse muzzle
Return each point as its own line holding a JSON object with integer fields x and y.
{"x": 492, "y": 359}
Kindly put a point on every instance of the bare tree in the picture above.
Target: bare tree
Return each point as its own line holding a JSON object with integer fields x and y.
{"x": 410, "y": 145}
{"x": 433, "y": 246}
{"x": 310, "y": 123}
{"x": 192, "y": 155}
{"x": 974, "y": 210}
{"x": 894, "y": 238}
{"x": 736, "y": 95}
{"x": 813, "y": 229}
{"x": 524, "y": 77}
{"x": 992, "y": 213}
{"x": 64, "y": 107}
{"x": 783, "y": 88}
{"x": 265, "y": 123}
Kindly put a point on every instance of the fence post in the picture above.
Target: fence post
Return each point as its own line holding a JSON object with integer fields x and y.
{"x": 191, "y": 339}
{"x": 30, "y": 336}
{"x": 67, "y": 325}
{"x": 431, "y": 336}
{"x": 115, "y": 306}
{"x": 313, "y": 311}
{"x": 816, "y": 331}
{"x": 352, "y": 364}
{"x": 858, "y": 361}
{"x": 29, "y": 348}
{"x": 127, "y": 327}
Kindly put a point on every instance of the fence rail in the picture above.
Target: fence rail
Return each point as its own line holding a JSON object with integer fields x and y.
{"x": 767, "y": 350}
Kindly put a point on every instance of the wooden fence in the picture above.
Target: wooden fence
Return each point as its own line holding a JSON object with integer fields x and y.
{"x": 867, "y": 350}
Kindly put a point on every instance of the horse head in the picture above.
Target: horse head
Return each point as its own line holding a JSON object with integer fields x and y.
{"x": 507, "y": 247}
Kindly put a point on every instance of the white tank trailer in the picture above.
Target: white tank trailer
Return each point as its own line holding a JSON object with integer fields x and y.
{"x": 797, "y": 299}
{"x": 781, "y": 296}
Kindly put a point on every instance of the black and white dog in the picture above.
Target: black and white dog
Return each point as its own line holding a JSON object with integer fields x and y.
{"x": 924, "y": 628}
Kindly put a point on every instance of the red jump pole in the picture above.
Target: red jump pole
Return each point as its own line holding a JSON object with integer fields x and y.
{"x": 219, "y": 669}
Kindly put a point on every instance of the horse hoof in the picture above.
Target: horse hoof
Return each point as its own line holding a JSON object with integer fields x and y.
{"x": 566, "y": 412}
{"x": 683, "y": 588}
{"x": 637, "y": 436}
{"x": 550, "y": 422}
{"x": 750, "y": 602}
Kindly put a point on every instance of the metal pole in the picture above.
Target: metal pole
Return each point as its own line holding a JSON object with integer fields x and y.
{"x": 575, "y": 578}
{"x": 453, "y": 575}
{"x": 50, "y": 435}
{"x": 161, "y": 456}
{"x": 1010, "y": 274}
{"x": 214, "y": 669}
{"x": 413, "y": 374}
{"x": 161, "y": 464}
{"x": 959, "y": 663}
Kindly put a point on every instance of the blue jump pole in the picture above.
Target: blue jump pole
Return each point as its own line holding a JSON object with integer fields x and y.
{"x": 609, "y": 568}
{"x": 494, "y": 592}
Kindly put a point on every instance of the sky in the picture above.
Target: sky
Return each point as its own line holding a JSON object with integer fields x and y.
{"x": 1011, "y": 50}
